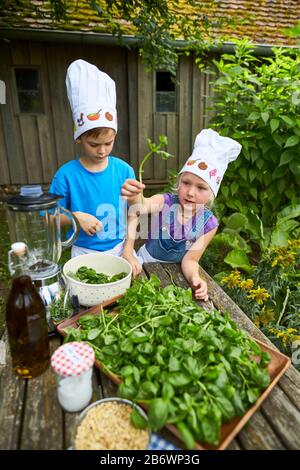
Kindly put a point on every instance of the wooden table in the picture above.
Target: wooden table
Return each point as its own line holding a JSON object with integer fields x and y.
{"x": 31, "y": 418}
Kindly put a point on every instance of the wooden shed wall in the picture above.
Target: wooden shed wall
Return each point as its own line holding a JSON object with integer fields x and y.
{"x": 32, "y": 147}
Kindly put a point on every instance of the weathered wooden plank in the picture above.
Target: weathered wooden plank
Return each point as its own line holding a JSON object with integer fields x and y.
{"x": 12, "y": 393}
{"x": 36, "y": 53}
{"x": 284, "y": 418}
{"x": 290, "y": 384}
{"x": 20, "y": 53}
{"x": 43, "y": 418}
{"x": 156, "y": 268}
{"x": 159, "y": 128}
{"x": 132, "y": 82}
{"x": 48, "y": 160}
{"x": 258, "y": 434}
{"x": 178, "y": 278}
{"x": 184, "y": 107}
{"x": 11, "y": 130}
{"x": 145, "y": 113}
{"x": 4, "y": 168}
{"x": 61, "y": 117}
{"x": 173, "y": 137}
{"x": 234, "y": 445}
{"x": 30, "y": 139}
{"x": 197, "y": 99}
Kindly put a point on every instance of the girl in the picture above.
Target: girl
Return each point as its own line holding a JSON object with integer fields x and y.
{"x": 184, "y": 225}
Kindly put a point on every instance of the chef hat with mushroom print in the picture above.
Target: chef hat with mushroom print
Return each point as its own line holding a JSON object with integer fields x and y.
{"x": 92, "y": 97}
{"x": 211, "y": 155}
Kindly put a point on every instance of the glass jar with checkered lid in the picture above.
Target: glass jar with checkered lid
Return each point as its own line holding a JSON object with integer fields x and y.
{"x": 73, "y": 365}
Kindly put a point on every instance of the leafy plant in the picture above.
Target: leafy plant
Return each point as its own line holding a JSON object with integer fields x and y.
{"x": 257, "y": 103}
{"x": 191, "y": 368}
{"x": 242, "y": 229}
{"x": 270, "y": 296}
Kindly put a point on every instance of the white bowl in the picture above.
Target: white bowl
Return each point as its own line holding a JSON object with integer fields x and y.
{"x": 93, "y": 294}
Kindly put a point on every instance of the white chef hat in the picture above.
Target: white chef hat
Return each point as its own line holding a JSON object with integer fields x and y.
{"x": 211, "y": 155}
{"x": 92, "y": 97}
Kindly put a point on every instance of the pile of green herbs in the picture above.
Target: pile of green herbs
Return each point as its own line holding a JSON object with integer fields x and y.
{"x": 60, "y": 309}
{"x": 90, "y": 276}
{"x": 189, "y": 367}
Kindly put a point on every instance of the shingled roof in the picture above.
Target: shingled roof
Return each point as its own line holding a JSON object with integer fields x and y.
{"x": 261, "y": 21}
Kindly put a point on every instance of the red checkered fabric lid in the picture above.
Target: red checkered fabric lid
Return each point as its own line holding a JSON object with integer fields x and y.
{"x": 72, "y": 358}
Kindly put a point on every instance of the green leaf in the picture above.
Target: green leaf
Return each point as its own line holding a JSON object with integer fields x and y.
{"x": 236, "y": 221}
{"x": 253, "y": 116}
{"x": 92, "y": 334}
{"x": 290, "y": 122}
{"x": 274, "y": 123}
{"x": 292, "y": 141}
{"x": 253, "y": 192}
{"x": 138, "y": 420}
{"x": 289, "y": 212}
{"x": 158, "y": 413}
{"x": 238, "y": 259}
{"x": 295, "y": 168}
{"x": 244, "y": 174}
{"x": 186, "y": 435}
{"x": 234, "y": 187}
{"x": 225, "y": 191}
{"x": 287, "y": 156}
{"x": 265, "y": 116}
{"x": 279, "y": 237}
{"x": 253, "y": 394}
{"x": 252, "y": 175}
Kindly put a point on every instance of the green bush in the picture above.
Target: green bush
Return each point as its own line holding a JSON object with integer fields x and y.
{"x": 257, "y": 102}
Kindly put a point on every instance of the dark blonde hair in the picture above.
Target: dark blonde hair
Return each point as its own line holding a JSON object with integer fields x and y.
{"x": 97, "y": 131}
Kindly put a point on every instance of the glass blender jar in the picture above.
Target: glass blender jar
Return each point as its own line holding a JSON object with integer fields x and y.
{"x": 34, "y": 218}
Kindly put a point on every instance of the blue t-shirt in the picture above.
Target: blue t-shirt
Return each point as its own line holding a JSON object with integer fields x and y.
{"x": 98, "y": 194}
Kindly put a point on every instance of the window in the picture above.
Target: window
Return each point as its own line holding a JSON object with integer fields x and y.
{"x": 165, "y": 93}
{"x": 29, "y": 90}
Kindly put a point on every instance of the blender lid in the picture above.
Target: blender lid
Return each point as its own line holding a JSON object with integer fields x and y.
{"x": 32, "y": 195}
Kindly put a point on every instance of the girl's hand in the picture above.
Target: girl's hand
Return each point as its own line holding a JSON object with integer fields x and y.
{"x": 199, "y": 287}
{"x": 89, "y": 224}
{"x": 135, "y": 264}
{"x": 131, "y": 189}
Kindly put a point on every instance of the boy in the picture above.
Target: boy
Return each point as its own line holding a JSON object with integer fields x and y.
{"x": 91, "y": 184}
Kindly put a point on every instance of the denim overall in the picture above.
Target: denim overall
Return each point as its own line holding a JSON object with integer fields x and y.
{"x": 170, "y": 249}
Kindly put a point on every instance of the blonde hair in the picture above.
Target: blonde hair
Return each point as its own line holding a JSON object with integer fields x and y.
{"x": 208, "y": 204}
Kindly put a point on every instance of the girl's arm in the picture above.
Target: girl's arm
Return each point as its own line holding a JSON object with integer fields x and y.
{"x": 190, "y": 265}
{"x": 131, "y": 190}
{"x": 128, "y": 252}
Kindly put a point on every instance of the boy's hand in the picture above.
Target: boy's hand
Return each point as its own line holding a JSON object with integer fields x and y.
{"x": 199, "y": 287}
{"x": 136, "y": 266}
{"x": 131, "y": 189}
{"x": 89, "y": 224}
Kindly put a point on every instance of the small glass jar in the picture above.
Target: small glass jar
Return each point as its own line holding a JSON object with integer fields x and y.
{"x": 73, "y": 366}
